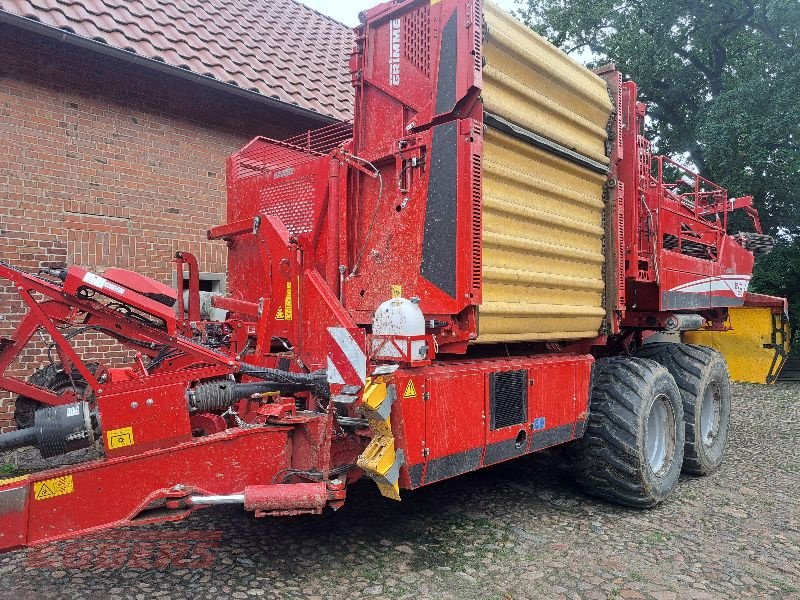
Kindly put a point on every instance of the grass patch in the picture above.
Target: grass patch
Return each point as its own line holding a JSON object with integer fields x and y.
{"x": 657, "y": 537}
{"x": 785, "y": 587}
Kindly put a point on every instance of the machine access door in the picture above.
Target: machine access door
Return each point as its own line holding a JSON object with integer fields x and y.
{"x": 454, "y": 421}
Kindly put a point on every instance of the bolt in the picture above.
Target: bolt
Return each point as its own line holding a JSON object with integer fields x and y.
{"x": 149, "y": 402}
{"x": 134, "y": 405}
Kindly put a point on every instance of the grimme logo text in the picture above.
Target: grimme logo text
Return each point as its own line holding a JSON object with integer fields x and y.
{"x": 394, "y": 55}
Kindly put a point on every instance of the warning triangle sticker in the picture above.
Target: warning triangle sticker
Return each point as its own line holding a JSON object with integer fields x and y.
{"x": 411, "y": 391}
{"x": 44, "y": 492}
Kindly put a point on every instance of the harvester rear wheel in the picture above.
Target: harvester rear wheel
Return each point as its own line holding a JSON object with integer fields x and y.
{"x": 702, "y": 376}
{"x": 54, "y": 378}
{"x": 632, "y": 451}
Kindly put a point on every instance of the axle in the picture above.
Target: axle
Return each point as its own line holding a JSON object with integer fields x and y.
{"x": 58, "y": 430}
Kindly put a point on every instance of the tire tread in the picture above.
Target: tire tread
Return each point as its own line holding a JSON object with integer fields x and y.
{"x": 606, "y": 462}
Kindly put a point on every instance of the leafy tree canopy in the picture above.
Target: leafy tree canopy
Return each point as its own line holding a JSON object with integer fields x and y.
{"x": 722, "y": 78}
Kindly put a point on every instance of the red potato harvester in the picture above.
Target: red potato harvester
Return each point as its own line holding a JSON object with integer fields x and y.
{"x": 467, "y": 274}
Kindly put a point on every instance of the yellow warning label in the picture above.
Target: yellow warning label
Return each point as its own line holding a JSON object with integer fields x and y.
{"x": 287, "y": 304}
{"x": 397, "y": 291}
{"x": 11, "y": 480}
{"x": 411, "y": 391}
{"x": 119, "y": 438}
{"x": 50, "y": 488}
{"x": 284, "y": 313}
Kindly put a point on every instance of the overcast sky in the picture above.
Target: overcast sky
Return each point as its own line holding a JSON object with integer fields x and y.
{"x": 347, "y": 11}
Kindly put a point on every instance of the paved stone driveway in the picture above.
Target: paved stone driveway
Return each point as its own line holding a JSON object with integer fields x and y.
{"x": 519, "y": 530}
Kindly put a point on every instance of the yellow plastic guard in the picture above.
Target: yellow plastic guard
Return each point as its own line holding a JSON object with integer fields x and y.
{"x": 542, "y": 215}
{"x": 374, "y": 394}
{"x": 380, "y": 460}
{"x": 748, "y": 345}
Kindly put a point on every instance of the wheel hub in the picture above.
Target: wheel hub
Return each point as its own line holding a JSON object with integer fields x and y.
{"x": 660, "y": 435}
{"x": 710, "y": 415}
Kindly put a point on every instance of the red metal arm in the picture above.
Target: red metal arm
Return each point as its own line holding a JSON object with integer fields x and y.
{"x": 745, "y": 203}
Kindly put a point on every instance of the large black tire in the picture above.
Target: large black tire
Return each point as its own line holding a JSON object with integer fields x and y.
{"x": 702, "y": 376}
{"x": 54, "y": 378}
{"x": 632, "y": 450}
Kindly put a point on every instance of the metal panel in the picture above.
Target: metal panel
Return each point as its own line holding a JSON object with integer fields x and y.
{"x": 530, "y": 82}
{"x": 755, "y": 346}
{"x": 439, "y": 238}
{"x": 542, "y": 245}
{"x": 454, "y": 421}
{"x": 448, "y": 64}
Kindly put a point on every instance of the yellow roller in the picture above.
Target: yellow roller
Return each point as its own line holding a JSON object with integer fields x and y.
{"x": 542, "y": 215}
{"x": 753, "y": 355}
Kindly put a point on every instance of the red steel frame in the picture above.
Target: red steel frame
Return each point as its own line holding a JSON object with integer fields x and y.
{"x": 321, "y": 229}
{"x": 673, "y": 234}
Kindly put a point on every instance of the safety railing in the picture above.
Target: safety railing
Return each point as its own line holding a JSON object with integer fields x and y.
{"x": 264, "y": 155}
{"x": 703, "y": 198}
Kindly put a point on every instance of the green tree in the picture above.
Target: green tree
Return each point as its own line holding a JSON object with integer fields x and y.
{"x": 722, "y": 78}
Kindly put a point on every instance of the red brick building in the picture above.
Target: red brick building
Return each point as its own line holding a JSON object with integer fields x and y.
{"x": 116, "y": 118}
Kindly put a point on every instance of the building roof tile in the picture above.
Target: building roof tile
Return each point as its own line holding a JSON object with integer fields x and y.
{"x": 279, "y": 48}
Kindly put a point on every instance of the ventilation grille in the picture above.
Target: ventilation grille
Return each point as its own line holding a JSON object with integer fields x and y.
{"x": 477, "y": 224}
{"x": 477, "y": 32}
{"x": 417, "y": 39}
{"x": 643, "y": 147}
{"x": 292, "y": 202}
{"x": 508, "y": 398}
{"x": 620, "y": 239}
{"x": 617, "y": 119}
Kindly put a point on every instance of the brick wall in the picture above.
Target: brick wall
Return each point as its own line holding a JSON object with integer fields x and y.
{"x": 103, "y": 164}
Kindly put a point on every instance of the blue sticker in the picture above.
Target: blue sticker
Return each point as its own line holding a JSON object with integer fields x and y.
{"x": 538, "y": 424}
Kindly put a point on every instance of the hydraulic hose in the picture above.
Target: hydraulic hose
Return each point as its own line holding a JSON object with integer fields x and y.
{"x": 317, "y": 381}
{"x": 223, "y": 393}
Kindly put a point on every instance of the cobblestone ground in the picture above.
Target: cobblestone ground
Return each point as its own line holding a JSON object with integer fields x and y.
{"x": 515, "y": 531}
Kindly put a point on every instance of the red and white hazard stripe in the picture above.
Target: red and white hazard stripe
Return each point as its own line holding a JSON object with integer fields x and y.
{"x": 347, "y": 362}
{"x": 737, "y": 284}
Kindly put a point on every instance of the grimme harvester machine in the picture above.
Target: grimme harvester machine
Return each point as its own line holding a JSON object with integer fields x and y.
{"x": 465, "y": 275}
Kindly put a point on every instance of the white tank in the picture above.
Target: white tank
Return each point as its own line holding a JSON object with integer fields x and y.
{"x": 400, "y": 316}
